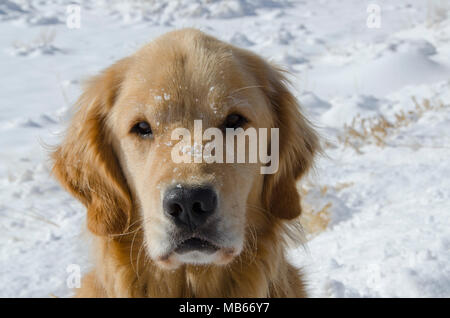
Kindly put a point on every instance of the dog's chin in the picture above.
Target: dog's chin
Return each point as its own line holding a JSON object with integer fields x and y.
{"x": 197, "y": 257}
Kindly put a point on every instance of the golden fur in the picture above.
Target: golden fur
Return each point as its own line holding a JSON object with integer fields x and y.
{"x": 118, "y": 178}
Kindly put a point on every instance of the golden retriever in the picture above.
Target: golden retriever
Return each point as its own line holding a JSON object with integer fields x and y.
{"x": 166, "y": 229}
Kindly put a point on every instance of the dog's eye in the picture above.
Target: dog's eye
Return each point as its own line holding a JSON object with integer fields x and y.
{"x": 235, "y": 121}
{"x": 142, "y": 129}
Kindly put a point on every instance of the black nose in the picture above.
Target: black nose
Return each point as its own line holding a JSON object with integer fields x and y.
{"x": 190, "y": 207}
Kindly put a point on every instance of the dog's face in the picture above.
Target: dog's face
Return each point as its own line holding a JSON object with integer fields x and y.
{"x": 191, "y": 212}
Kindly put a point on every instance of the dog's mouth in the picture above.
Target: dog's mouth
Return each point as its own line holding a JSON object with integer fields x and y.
{"x": 196, "y": 244}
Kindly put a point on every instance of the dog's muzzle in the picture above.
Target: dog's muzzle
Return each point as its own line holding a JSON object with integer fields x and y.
{"x": 190, "y": 208}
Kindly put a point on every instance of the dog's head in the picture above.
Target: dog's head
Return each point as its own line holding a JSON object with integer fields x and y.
{"x": 118, "y": 155}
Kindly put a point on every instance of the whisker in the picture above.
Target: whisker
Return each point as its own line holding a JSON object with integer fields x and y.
{"x": 126, "y": 233}
{"x": 138, "y": 257}
{"x": 131, "y": 254}
{"x": 143, "y": 220}
{"x": 243, "y": 88}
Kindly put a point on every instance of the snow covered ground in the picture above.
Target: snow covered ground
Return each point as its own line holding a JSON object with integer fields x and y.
{"x": 378, "y": 204}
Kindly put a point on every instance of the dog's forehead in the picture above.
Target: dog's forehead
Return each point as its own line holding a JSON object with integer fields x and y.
{"x": 185, "y": 77}
{"x": 173, "y": 94}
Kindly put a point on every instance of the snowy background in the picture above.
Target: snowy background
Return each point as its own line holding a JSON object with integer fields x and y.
{"x": 377, "y": 208}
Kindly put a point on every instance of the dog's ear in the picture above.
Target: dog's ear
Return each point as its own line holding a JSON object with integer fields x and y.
{"x": 85, "y": 163}
{"x": 298, "y": 141}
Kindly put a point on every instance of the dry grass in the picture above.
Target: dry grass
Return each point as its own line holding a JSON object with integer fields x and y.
{"x": 362, "y": 131}
{"x": 341, "y": 186}
{"x": 437, "y": 11}
{"x": 44, "y": 42}
{"x": 315, "y": 221}
{"x": 375, "y": 130}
